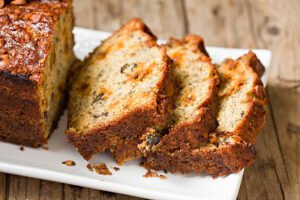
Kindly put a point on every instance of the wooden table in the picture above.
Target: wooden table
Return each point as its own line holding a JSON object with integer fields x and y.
{"x": 234, "y": 23}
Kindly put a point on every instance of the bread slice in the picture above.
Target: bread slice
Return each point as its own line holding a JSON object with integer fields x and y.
{"x": 120, "y": 91}
{"x": 229, "y": 148}
{"x": 194, "y": 114}
{"x": 241, "y": 97}
{"x": 36, "y": 53}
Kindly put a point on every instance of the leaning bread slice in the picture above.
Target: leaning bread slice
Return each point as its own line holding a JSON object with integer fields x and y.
{"x": 229, "y": 148}
{"x": 194, "y": 116}
{"x": 241, "y": 97}
{"x": 120, "y": 90}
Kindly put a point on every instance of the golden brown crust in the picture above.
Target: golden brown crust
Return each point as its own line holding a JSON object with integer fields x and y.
{"x": 122, "y": 135}
{"x": 255, "y": 63}
{"x": 137, "y": 24}
{"x": 133, "y": 25}
{"x": 213, "y": 160}
{"x": 253, "y": 122}
{"x": 25, "y": 36}
{"x": 19, "y": 117}
{"x": 255, "y": 119}
{"x": 195, "y": 42}
{"x": 115, "y": 134}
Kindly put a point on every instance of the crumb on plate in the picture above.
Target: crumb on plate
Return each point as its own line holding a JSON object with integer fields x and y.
{"x": 162, "y": 177}
{"x": 90, "y": 167}
{"x": 102, "y": 169}
{"x": 45, "y": 147}
{"x": 116, "y": 169}
{"x": 150, "y": 174}
{"x": 153, "y": 174}
{"x": 69, "y": 163}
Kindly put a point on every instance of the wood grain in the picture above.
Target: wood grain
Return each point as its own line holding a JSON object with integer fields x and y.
{"x": 281, "y": 35}
{"x": 221, "y": 23}
{"x": 158, "y": 15}
{"x": 3, "y": 184}
{"x": 232, "y": 23}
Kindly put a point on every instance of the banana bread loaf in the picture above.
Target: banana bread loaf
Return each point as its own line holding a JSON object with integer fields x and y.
{"x": 36, "y": 52}
{"x": 241, "y": 115}
{"x": 122, "y": 88}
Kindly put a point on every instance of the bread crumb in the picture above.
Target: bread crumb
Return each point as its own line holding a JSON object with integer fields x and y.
{"x": 45, "y": 147}
{"x": 153, "y": 174}
{"x": 116, "y": 169}
{"x": 162, "y": 177}
{"x": 90, "y": 167}
{"x": 69, "y": 163}
{"x": 21, "y": 148}
{"x": 150, "y": 174}
{"x": 101, "y": 169}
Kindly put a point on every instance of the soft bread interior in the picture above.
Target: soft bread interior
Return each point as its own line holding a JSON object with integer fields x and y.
{"x": 60, "y": 60}
{"x": 237, "y": 80}
{"x": 193, "y": 81}
{"x": 120, "y": 77}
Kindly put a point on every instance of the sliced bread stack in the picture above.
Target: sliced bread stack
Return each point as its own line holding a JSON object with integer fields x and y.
{"x": 167, "y": 104}
{"x": 241, "y": 115}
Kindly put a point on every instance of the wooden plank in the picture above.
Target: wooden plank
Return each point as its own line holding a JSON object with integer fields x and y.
{"x": 261, "y": 179}
{"x": 242, "y": 192}
{"x": 79, "y": 193}
{"x": 76, "y": 193}
{"x": 3, "y": 185}
{"x": 165, "y": 18}
{"x": 84, "y": 10}
{"x": 221, "y": 23}
{"x": 17, "y": 187}
{"x": 125, "y": 197}
{"x": 280, "y": 33}
{"x": 286, "y": 109}
{"x": 97, "y": 14}
{"x": 50, "y": 190}
{"x": 20, "y": 188}
{"x": 94, "y": 195}
{"x": 107, "y": 14}
{"x": 33, "y": 189}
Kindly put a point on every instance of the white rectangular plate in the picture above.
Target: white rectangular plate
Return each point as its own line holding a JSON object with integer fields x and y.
{"x": 47, "y": 164}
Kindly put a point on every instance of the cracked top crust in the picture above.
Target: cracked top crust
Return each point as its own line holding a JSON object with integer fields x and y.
{"x": 26, "y": 36}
